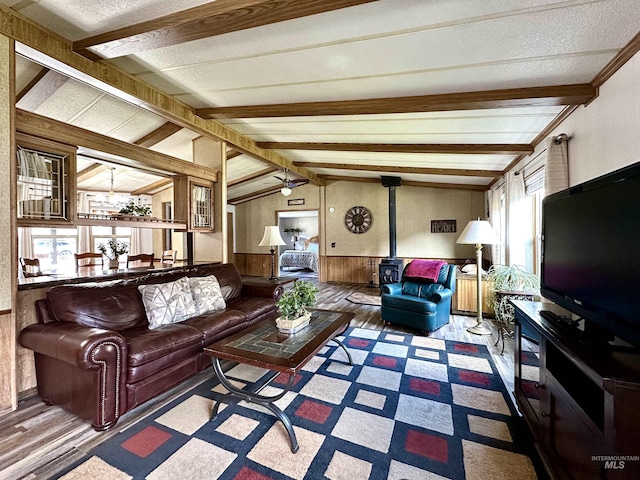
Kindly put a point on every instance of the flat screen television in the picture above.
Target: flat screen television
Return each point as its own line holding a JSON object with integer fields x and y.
{"x": 591, "y": 252}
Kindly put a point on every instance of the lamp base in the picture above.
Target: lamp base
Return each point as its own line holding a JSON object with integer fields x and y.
{"x": 479, "y": 329}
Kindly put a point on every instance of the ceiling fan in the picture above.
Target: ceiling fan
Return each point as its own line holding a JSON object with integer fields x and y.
{"x": 287, "y": 184}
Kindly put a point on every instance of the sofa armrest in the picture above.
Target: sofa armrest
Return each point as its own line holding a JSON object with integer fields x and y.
{"x": 74, "y": 344}
{"x": 261, "y": 290}
{"x": 443, "y": 294}
{"x": 392, "y": 288}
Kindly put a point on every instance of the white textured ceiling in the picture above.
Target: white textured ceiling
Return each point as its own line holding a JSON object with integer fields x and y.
{"x": 388, "y": 48}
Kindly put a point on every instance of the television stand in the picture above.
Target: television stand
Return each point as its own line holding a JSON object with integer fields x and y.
{"x": 578, "y": 398}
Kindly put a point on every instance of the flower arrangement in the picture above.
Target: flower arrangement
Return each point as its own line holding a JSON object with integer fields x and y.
{"x": 113, "y": 249}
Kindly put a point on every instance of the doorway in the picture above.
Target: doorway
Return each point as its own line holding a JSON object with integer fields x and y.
{"x": 300, "y": 256}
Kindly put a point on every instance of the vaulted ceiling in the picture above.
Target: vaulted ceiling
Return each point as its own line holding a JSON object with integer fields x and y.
{"x": 442, "y": 93}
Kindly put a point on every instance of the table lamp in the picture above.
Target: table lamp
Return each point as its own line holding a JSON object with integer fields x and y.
{"x": 271, "y": 238}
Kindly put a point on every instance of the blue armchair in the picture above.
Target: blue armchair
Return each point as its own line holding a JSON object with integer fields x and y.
{"x": 419, "y": 304}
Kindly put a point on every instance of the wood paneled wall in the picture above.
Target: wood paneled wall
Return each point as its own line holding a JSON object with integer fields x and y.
{"x": 349, "y": 269}
{"x": 257, "y": 264}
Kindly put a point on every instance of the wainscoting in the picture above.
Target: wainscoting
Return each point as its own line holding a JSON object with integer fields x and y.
{"x": 332, "y": 268}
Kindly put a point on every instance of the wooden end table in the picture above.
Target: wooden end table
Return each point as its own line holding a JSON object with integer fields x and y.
{"x": 262, "y": 345}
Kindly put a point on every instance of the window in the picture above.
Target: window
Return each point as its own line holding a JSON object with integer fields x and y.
{"x": 54, "y": 247}
{"x": 534, "y": 189}
{"x": 104, "y": 234}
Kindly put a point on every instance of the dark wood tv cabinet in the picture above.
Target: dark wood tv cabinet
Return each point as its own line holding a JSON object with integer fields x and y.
{"x": 581, "y": 400}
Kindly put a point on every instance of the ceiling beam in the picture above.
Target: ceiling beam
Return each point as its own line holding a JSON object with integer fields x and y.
{"x": 462, "y": 149}
{"x": 411, "y": 183}
{"x": 252, "y": 176}
{"x": 460, "y": 172}
{"x": 91, "y": 171}
{"x": 161, "y": 133}
{"x": 53, "y": 51}
{"x": 513, "y": 97}
{"x": 233, "y": 154}
{"x": 32, "y": 124}
{"x": 39, "y": 92}
{"x": 208, "y": 20}
{"x": 252, "y": 196}
{"x": 154, "y": 187}
{"x": 34, "y": 81}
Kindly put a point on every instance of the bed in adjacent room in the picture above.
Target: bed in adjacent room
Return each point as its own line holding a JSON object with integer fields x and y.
{"x": 300, "y": 259}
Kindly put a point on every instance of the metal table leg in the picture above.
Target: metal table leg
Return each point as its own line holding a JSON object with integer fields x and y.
{"x": 250, "y": 394}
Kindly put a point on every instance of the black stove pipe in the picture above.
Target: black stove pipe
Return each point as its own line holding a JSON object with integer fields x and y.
{"x": 392, "y": 183}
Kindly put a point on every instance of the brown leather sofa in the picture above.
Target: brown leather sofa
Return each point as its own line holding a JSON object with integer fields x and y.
{"x": 101, "y": 371}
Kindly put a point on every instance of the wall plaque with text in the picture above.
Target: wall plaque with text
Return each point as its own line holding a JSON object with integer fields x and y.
{"x": 443, "y": 226}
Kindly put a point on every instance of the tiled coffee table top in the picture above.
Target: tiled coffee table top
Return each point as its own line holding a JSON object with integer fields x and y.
{"x": 268, "y": 341}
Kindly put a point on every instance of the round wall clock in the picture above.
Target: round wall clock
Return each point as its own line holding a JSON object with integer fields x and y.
{"x": 358, "y": 219}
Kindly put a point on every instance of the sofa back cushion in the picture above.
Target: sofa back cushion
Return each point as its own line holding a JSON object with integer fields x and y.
{"x": 167, "y": 303}
{"x": 428, "y": 291}
{"x": 106, "y": 305}
{"x": 228, "y": 278}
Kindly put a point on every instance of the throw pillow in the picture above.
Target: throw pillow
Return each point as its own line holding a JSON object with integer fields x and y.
{"x": 166, "y": 303}
{"x": 207, "y": 294}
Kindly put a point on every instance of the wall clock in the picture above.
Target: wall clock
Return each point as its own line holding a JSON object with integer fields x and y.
{"x": 358, "y": 219}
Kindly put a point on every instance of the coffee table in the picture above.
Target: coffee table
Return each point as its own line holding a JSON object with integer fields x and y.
{"x": 262, "y": 345}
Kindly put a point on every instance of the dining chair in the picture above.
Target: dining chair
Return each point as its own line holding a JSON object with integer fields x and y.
{"x": 168, "y": 257}
{"x": 88, "y": 259}
{"x": 30, "y": 267}
{"x": 145, "y": 260}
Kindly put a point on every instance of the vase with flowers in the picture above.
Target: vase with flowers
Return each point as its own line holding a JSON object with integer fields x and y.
{"x": 112, "y": 250}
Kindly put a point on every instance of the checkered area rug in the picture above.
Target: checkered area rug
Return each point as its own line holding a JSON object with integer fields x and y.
{"x": 410, "y": 407}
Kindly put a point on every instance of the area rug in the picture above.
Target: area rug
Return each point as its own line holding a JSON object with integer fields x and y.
{"x": 410, "y": 407}
{"x": 365, "y": 299}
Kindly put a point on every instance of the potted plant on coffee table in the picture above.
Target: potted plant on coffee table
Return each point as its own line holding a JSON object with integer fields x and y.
{"x": 293, "y": 305}
{"x": 112, "y": 250}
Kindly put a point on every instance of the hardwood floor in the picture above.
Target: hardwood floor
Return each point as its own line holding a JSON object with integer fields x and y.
{"x": 37, "y": 440}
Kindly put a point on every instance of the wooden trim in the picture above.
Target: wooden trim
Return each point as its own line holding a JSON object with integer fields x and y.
{"x": 623, "y": 56}
{"x": 255, "y": 195}
{"x": 411, "y": 183}
{"x": 233, "y": 154}
{"x": 448, "y": 148}
{"x": 462, "y": 172}
{"x": 53, "y": 51}
{"x": 514, "y": 97}
{"x": 161, "y": 133}
{"x": 208, "y": 20}
{"x": 46, "y": 127}
{"x": 40, "y": 92}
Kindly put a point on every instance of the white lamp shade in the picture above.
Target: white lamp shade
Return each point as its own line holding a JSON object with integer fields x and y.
{"x": 478, "y": 232}
{"x": 271, "y": 237}
{"x": 286, "y": 191}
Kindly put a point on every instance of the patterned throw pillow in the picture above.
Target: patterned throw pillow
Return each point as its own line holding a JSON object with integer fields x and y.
{"x": 166, "y": 303}
{"x": 207, "y": 294}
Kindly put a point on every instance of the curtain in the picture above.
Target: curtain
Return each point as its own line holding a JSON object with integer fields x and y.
{"x": 556, "y": 170}
{"x": 136, "y": 240}
{"x": 495, "y": 220}
{"x": 84, "y": 232}
{"x": 517, "y": 223}
{"x": 25, "y": 243}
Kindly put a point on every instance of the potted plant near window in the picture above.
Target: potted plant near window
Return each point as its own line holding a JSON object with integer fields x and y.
{"x": 293, "y": 305}
{"x": 295, "y": 231}
{"x": 509, "y": 282}
{"x": 112, "y": 250}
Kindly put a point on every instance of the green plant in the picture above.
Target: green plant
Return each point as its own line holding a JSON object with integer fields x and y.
{"x": 505, "y": 281}
{"x": 113, "y": 249}
{"x": 295, "y": 230}
{"x": 132, "y": 208}
{"x": 294, "y": 302}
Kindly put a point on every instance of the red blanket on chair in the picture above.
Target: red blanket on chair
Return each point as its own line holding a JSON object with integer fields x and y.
{"x": 424, "y": 269}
